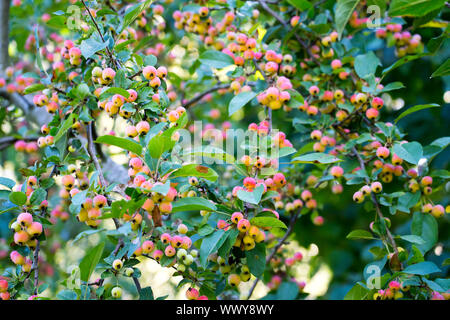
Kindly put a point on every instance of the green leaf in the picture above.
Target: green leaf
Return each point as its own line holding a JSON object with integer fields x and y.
{"x": 91, "y": 46}
{"x": 65, "y": 126}
{"x": 426, "y": 227}
{"x": 161, "y": 188}
{"x": 413, "y": 239}
{"x": 216, "y": 59}
{"x": 196, "y": 171}
{"x": 159, "y": 144}
{"x": 67, "y": 295}
{"x": 34, "y": 88}
{"x": 415, "y": 109}
{"x": 316, "y": 157}
{"x": 422, "y": 268}
{"x": 344, "y": 10}
{"x": 392, "y": 86}
{"x": 18, "y": 198}
{"x": 239, "y": 101}
{"x": 443, "y": 70}
{"x": 210, "y": 244}
{"x": 301, "y": 5}
{"x": 402, "y": 61}
{"x": 112, "y": 91}
{"x": 253, "y": 197}
{"x": 132, "y": 13}
{"x": 358, "y": 292}
{"x": 411, "y": 152}
{"x": 359, "y": 234}
{"x": 146, "y": 294}
{"x": 38, "y": 196}
{"x": 366, "y": 64}
{"x": 256, "y": 259}
{"x": 229, "y": 242}
{"x": 193, "y": 204}
{"x": 124, "y": 143}
{"x": 413, "y": 8}
{"x": 90, "y": 260}
{"x": 7, "y": 182}
{"x": 267, "y": 222}
{"x": 287, "y": 291}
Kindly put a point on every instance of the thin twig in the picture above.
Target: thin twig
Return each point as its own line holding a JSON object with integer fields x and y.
{"x": 35, "y": 266}
{"x": 198, "y": 97}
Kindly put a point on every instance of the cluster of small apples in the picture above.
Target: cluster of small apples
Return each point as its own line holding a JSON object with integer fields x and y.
{"x": 199, "y": 22}
{"x": 71, "y": 53}
{"x": 323, "y": 141}
{"x": 58, "y": 212}
{"x": 404, "y": 41}
{"x": 276, "y": 96}
{"x": 20, "y": 260}
{"x": 4, "y": 285}
{"x": 306, "y": 199}
{"x": 281, "y": 270}
{"x": 235, "y": 271}
{"x": 26, "y": 231}
{"x": 366, "y": 190}
{"x": 271, "y": 183}
{"x": 73, "y": 182}
{"x": 91, "y": 210}
{"x": 393, "y": 291}
{"x": 28, "y": 189}
{"x": 155, "y": 199}
{"x": 51, "y": 105}
{"x": 28, "y": 147}
{"x": 156, "y": 10}
{"x": 15, "y": 82}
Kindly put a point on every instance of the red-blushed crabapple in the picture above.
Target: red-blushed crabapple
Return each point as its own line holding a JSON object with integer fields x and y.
{"x": 108, "y": 75}
{"x": 132, "y": 95}
{"x": 3, "y": 285}
{"x": 25, "y": 219}
{"x": 314, "y": 90}
{"x": 383, "y": 152}
{"x": 426, "y": 181}
{"x": 298, "y": 256}
{"x": 297, "y": 204}
{"x": 21, "y": 237}
{"x": 222, "y": 224}
{"x": 306, "y": 195}
{"x": 372, "y": 113}
{"x": 94, "y": 213}
{"x": 438, "y": 211}
{"x": 165, "y": 207}
{"x": 34, "y": 229}
{"x": 236, "y": 217}
{"x": 148, "y": 205}
{"x": 117, "y": 264}
{"x": 366, "y": 190}
{"x": 318, "y": 221}
{"x": 336, "y": 64}
{"x": 316, "y": 134}
{"x": 165, "y": 238}
{"x": 136, "y": 163}
{"x": 157, "y": 255}
{"x": 427, "y": 208}
{"x": 243, "y": 225}
{"x": 192, "y": 294}
{"x": 377, "y": 103}
{"x": 17, "y": 258}
{"x": 5, "y": 295}
{"x": 376, "y": 187}
{"x": 396, "y": 160}
{"x": 147, "y": 246}
{"x": 169, "y": 251}
{"x": 176, "y": 241}
{"x": 337, "y": 188}
{"x": 142, "y": 127}
{"x": 173, "y": 116}
{"x": 337, "y": 171}
{"x": 99, "y": 201}
{"x": 68, "y": 181}
{"x": 234, "y": 280}
{"x": 294, "y": 21}
{"x": 358, "y": 197}
{"x": 279, "y": 180}
{"x": 249, "y": 182}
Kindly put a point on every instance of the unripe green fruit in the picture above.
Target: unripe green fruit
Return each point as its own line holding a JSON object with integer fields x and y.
{"x": 116, "y": 292}
{"x": 129, "y": 272}
{"x": 194, "y": 253}
{"x": 117, "y": 264}
{"x": 188, "y": 260}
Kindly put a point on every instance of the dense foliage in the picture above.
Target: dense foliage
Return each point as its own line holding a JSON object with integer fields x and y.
{"x": 232, "y": 142}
